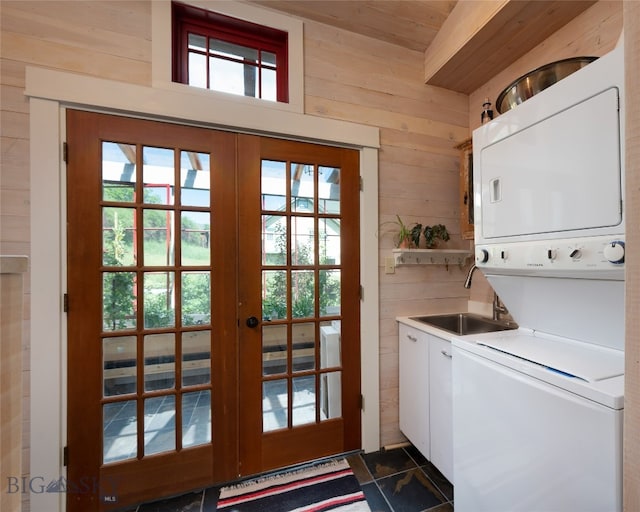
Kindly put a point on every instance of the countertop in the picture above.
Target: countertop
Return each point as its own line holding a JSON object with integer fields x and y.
{"x": 429, "y": 329}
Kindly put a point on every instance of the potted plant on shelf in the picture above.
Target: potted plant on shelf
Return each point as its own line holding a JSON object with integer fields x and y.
{"x": 404, "y": 234}
{"x": 434, "y": 233}
{"x": 416, "y": 231}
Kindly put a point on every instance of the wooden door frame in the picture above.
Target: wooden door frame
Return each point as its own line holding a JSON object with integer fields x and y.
{"x": 50, "y": 92}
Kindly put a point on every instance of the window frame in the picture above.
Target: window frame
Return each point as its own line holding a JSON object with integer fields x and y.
{"x": 161, "y": 45}
{"x": 188, "y": 19}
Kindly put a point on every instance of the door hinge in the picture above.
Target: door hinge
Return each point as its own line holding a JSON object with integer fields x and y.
{"x": 361, "y": 184}
{"x": 65, "y": 303}
{"x": 65, "y": 456}
{"x": 361, "y": 292}
{"x": 361, "y": 402}
{"x": 65, "y": 152}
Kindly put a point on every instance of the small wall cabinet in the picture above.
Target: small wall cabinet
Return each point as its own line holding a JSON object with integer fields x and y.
{"x": 426, "y": 400}
{"x": 466, "y": 189}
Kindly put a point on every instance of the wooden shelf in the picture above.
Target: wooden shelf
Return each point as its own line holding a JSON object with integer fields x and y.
{"x": 430, "y": 257}
{"x": 480, "y": 39}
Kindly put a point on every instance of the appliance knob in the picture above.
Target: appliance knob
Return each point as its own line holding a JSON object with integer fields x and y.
{"x": 614, "y": 252}
{"x": 482, "y": 256}
{"x": 551, "y": 254}
{"x": 576, "y": 254}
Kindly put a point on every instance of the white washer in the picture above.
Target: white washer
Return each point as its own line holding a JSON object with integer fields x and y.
{"x": 537, "y": 424}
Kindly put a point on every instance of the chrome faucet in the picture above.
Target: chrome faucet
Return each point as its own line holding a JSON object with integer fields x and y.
{"x": 498, "y": 307}
{"x": 467, "y": 281}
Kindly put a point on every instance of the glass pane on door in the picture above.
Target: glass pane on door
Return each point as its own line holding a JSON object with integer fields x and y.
{"x": 274, "y": 349}
{"x": 196, "y": 418}
{"x": 158, "y": 175}
{"x": 195, "y": 179}
{"x": 119, "y": 363}
{"x": 120, "y": 434}
{"x": 195, "y": 233}
{"x": 118, "y": 301}
{"x": 196, "y": 358}
{"x": 159, "y": 361}
{"x": 159, "y": 424}
{"x": 304, "y": 400}
{"x": 118, "y": 235}
{"x": 118, "y": 171}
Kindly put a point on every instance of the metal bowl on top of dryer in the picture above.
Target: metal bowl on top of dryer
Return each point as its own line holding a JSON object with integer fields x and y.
{"x": 537, "y": 80}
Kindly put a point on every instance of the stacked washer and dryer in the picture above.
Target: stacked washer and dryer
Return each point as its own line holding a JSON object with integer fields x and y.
{"x": 538, "y": 411}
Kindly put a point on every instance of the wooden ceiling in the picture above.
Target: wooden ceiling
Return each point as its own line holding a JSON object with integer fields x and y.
{"x": 465, "y": 42}
{"x": 408, "y": 23}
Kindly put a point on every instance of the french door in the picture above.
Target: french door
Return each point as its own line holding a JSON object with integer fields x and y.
{"x": 213, "y": 307}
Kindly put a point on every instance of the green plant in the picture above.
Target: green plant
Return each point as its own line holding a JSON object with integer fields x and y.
{"x": 434, "y": 233}
{"x": 404, "y": 233}
{"x": 416, "y": 231}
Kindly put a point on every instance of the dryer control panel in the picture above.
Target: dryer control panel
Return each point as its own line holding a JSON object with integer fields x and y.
{"x": 593, "y": 257}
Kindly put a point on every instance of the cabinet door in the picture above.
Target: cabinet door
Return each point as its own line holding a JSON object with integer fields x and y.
{"x": 441, "y": 404}
{"x": 466, "y": 190}
{"x": 414, "y": 387}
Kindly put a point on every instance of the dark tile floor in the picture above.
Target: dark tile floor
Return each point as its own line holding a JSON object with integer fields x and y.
{"x": 402, "y": 480}
{"x": 397, "y": 480}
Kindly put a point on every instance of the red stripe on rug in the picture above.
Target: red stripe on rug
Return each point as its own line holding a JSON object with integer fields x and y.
{"x": 332, "y": 503}
{"x": 277, "y": 489}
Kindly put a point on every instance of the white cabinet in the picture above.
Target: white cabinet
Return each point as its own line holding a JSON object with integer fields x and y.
{"x": 426, "y": 406}
{"x": 414, "y": 387}
{"x": 441, "y": 405}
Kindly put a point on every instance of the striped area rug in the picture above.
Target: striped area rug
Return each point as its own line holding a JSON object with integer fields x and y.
{"x": 322, "y": 487}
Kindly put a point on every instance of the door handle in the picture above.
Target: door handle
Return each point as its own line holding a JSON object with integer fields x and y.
{"x": 252, "y": 322}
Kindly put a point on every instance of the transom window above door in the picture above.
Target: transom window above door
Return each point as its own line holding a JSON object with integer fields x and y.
{"x": 225, "y": 54}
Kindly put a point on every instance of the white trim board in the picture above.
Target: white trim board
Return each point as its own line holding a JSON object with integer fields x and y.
{"x": 193, "y": 106}
{"x": 50, "y": 93}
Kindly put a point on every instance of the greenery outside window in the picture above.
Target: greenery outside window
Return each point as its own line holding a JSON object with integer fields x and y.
{"x": 226, "y": 54}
